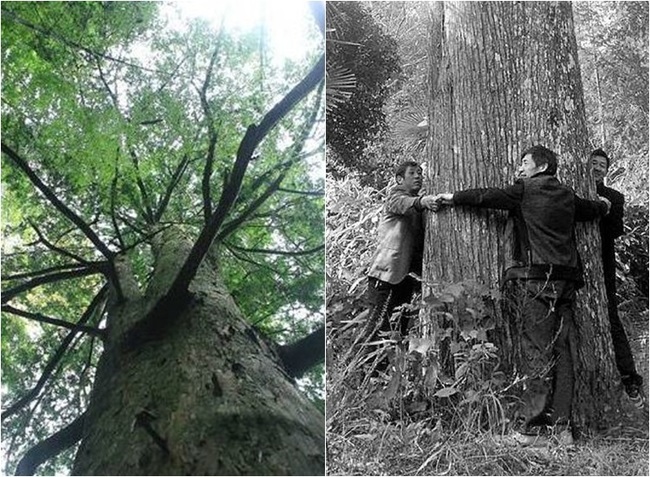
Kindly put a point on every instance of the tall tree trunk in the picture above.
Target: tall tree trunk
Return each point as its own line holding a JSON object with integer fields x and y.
{"x": 505, "y": 76}
{"x": 204, "y": 395}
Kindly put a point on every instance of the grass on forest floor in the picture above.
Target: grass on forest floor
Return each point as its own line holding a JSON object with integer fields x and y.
{"x": 398, "y": 450}
{"x": 363, "y": 441}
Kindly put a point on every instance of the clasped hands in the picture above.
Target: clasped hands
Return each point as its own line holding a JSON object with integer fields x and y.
{"x": 433, "y": 202}
{"x": 606, "y": 202}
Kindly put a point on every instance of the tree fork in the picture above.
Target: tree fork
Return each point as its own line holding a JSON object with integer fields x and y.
{"x": 178, "y": 295}
{"x": 221, "y": 398}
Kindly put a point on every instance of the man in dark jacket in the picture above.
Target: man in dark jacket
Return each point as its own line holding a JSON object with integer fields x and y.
{"x": 611, "y": 227}
{"x": 399, "y": 252}
{"x": 541, "y": 279}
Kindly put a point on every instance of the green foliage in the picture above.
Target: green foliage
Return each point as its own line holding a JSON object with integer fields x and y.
{"x": 116, "y": 113}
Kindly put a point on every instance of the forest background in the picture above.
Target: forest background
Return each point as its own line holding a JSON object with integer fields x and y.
{"x": 377, "y": 75}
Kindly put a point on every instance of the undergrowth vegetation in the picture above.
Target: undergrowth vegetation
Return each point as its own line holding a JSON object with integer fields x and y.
{"x": 440, "y": 401}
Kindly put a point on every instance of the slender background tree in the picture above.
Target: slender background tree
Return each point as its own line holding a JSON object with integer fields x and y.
{"x": 163, "y": 244}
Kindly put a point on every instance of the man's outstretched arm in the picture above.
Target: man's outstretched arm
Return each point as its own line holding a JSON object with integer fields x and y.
{"x": 491, "y": 198}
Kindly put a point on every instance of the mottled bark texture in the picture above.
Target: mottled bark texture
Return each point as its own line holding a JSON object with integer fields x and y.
{"x": 503, "y": 77}
{"x": 204, "y": 395}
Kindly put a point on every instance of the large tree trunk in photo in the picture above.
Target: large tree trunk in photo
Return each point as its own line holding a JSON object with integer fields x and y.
{"x": 202, "y": 395}
{"x": 505, "y": 76}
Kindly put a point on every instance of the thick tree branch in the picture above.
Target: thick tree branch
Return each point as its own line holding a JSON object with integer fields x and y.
{"x": 45, "y": 279}
{"x": 51, "y": 447}
{"x": 304, "y": 354}
{"x": 207, "y": 174}
{"x": 51, "y": 366}
{"x": 254, "y": 135}
{"x": 177, "y": 297}
{"x": 91, "y": 330}
{"x": 54, "y": 200}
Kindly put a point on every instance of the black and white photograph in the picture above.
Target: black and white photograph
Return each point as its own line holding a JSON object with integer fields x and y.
{"x": 487, "y": 238}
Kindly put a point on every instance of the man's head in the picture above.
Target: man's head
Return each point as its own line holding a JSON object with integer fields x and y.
{"x": 599, "y": 164}
{"x": 538, "y": 160}
{"x": 409, "y": 174}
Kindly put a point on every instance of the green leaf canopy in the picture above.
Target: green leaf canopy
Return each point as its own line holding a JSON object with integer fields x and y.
{"x": 133, "y": 126}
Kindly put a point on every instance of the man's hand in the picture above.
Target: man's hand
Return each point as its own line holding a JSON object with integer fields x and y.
{"x": 607, "y": 203}
{"x": 445, "y": 199}
{"x": 429, "y": 202}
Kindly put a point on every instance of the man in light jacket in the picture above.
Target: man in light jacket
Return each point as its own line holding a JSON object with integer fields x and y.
{"x": 399, "y": 252}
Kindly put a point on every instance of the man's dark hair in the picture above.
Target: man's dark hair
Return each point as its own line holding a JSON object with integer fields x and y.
{"x": 401, "y": 169}
{"x": 542, "y": 155}
{"x": 601, "y": 153}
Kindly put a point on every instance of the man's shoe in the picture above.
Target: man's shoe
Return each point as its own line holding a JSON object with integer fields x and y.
{"x": 634, "y": 393}
{"x": 563, "y": 437}
{"x": 544, "y": 436}
{"x": 525, "y": 440}
{"x": 534, "y": 436}
{"x": 633, "y": 384}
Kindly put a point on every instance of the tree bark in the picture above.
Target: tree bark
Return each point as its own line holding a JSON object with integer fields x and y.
{"x": 505, "y": 76}
{"x": 203, "y": 397}
{"x": 601, "y": 116}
